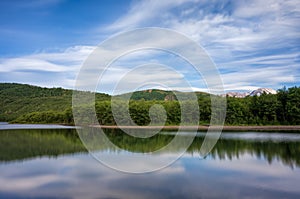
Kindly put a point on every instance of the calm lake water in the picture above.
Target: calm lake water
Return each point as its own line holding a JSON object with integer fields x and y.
{"x": 53, "y": 163}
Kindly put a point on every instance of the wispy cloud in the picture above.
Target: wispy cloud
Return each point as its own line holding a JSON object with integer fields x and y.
{"x": 144, "y": 12}
{"x": 242, "y": 37}
{"x": 254, "y": 44}
{"x": 45, "y": 68}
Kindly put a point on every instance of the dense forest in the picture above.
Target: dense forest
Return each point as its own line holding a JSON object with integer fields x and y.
{"x": 53, "y": 104}
{"x": 30, "y": 104}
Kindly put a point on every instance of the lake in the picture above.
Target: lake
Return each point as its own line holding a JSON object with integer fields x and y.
{"x": 53, "y": 163}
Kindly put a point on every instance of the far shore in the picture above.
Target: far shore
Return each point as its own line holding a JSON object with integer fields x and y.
{"x": 294, "y": 128}
{"x": 205, "y": 127}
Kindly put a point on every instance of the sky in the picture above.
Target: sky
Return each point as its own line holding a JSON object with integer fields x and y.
{"x": 252, "y": 43}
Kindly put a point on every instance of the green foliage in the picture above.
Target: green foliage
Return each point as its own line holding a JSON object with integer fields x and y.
{"x": 31, "y": 104}
{"x": 18, "y": 101}
{"x": 282, "y": 108}
{"x": 147, "y": 95}
{"x": 237, "y": 111}
{"x": 293, "y": 106}
{"x": 65, "y": 117}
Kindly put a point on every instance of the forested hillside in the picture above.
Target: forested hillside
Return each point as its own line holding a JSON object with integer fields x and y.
{"x": 30, "y": 104}
{"x": 159, "y": 95}
{"x": 18, "y": 100}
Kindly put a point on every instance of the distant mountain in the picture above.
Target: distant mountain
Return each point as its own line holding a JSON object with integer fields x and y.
{"x": 260, "y": 91}
{"x": 236, "y": 94}
{"x": 257, "y": 92}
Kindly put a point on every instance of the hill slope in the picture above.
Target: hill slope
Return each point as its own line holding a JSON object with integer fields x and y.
{"x": 19, "y": 99}
{"x": 160, "y": 95}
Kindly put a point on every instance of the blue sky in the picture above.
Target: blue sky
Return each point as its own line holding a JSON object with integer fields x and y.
{"x": 253, "y": 43}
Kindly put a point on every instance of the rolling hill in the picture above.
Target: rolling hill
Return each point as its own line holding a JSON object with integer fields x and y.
{"x": 20, "y": 99}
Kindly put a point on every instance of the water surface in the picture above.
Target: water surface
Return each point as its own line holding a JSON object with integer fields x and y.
{"x": 7, "y": 126}
{"x": 53, "y": 163}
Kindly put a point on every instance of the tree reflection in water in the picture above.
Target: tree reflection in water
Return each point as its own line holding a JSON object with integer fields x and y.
{"x": 16, "y": 145}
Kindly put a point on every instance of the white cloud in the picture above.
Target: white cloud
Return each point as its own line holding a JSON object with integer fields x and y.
{"x": 25, "y": 184}
{"x": 29, "y": 64}
{"x": 36, "y": 177}
{"x": 264, "y": 77}
{"x": 254, "y": 43}
{"x": 118, "y": 79}
{"x": 249, "y": 165}
{"x": 142, "y": 12}
{"x": 267, "y": 8}
{"x": 45, "y": 68}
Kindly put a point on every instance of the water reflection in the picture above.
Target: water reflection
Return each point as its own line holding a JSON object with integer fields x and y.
{"x": 23, "y": 144}
{"x": 32, "y": 143}
{"x": 56, "y": 165}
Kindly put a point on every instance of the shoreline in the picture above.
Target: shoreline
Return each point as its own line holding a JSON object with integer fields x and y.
{"x": 291, "y": 128}
{"x": 205, "y": 127}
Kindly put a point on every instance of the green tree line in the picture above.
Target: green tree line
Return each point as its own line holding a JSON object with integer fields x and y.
{"x": 31, "y": 104}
